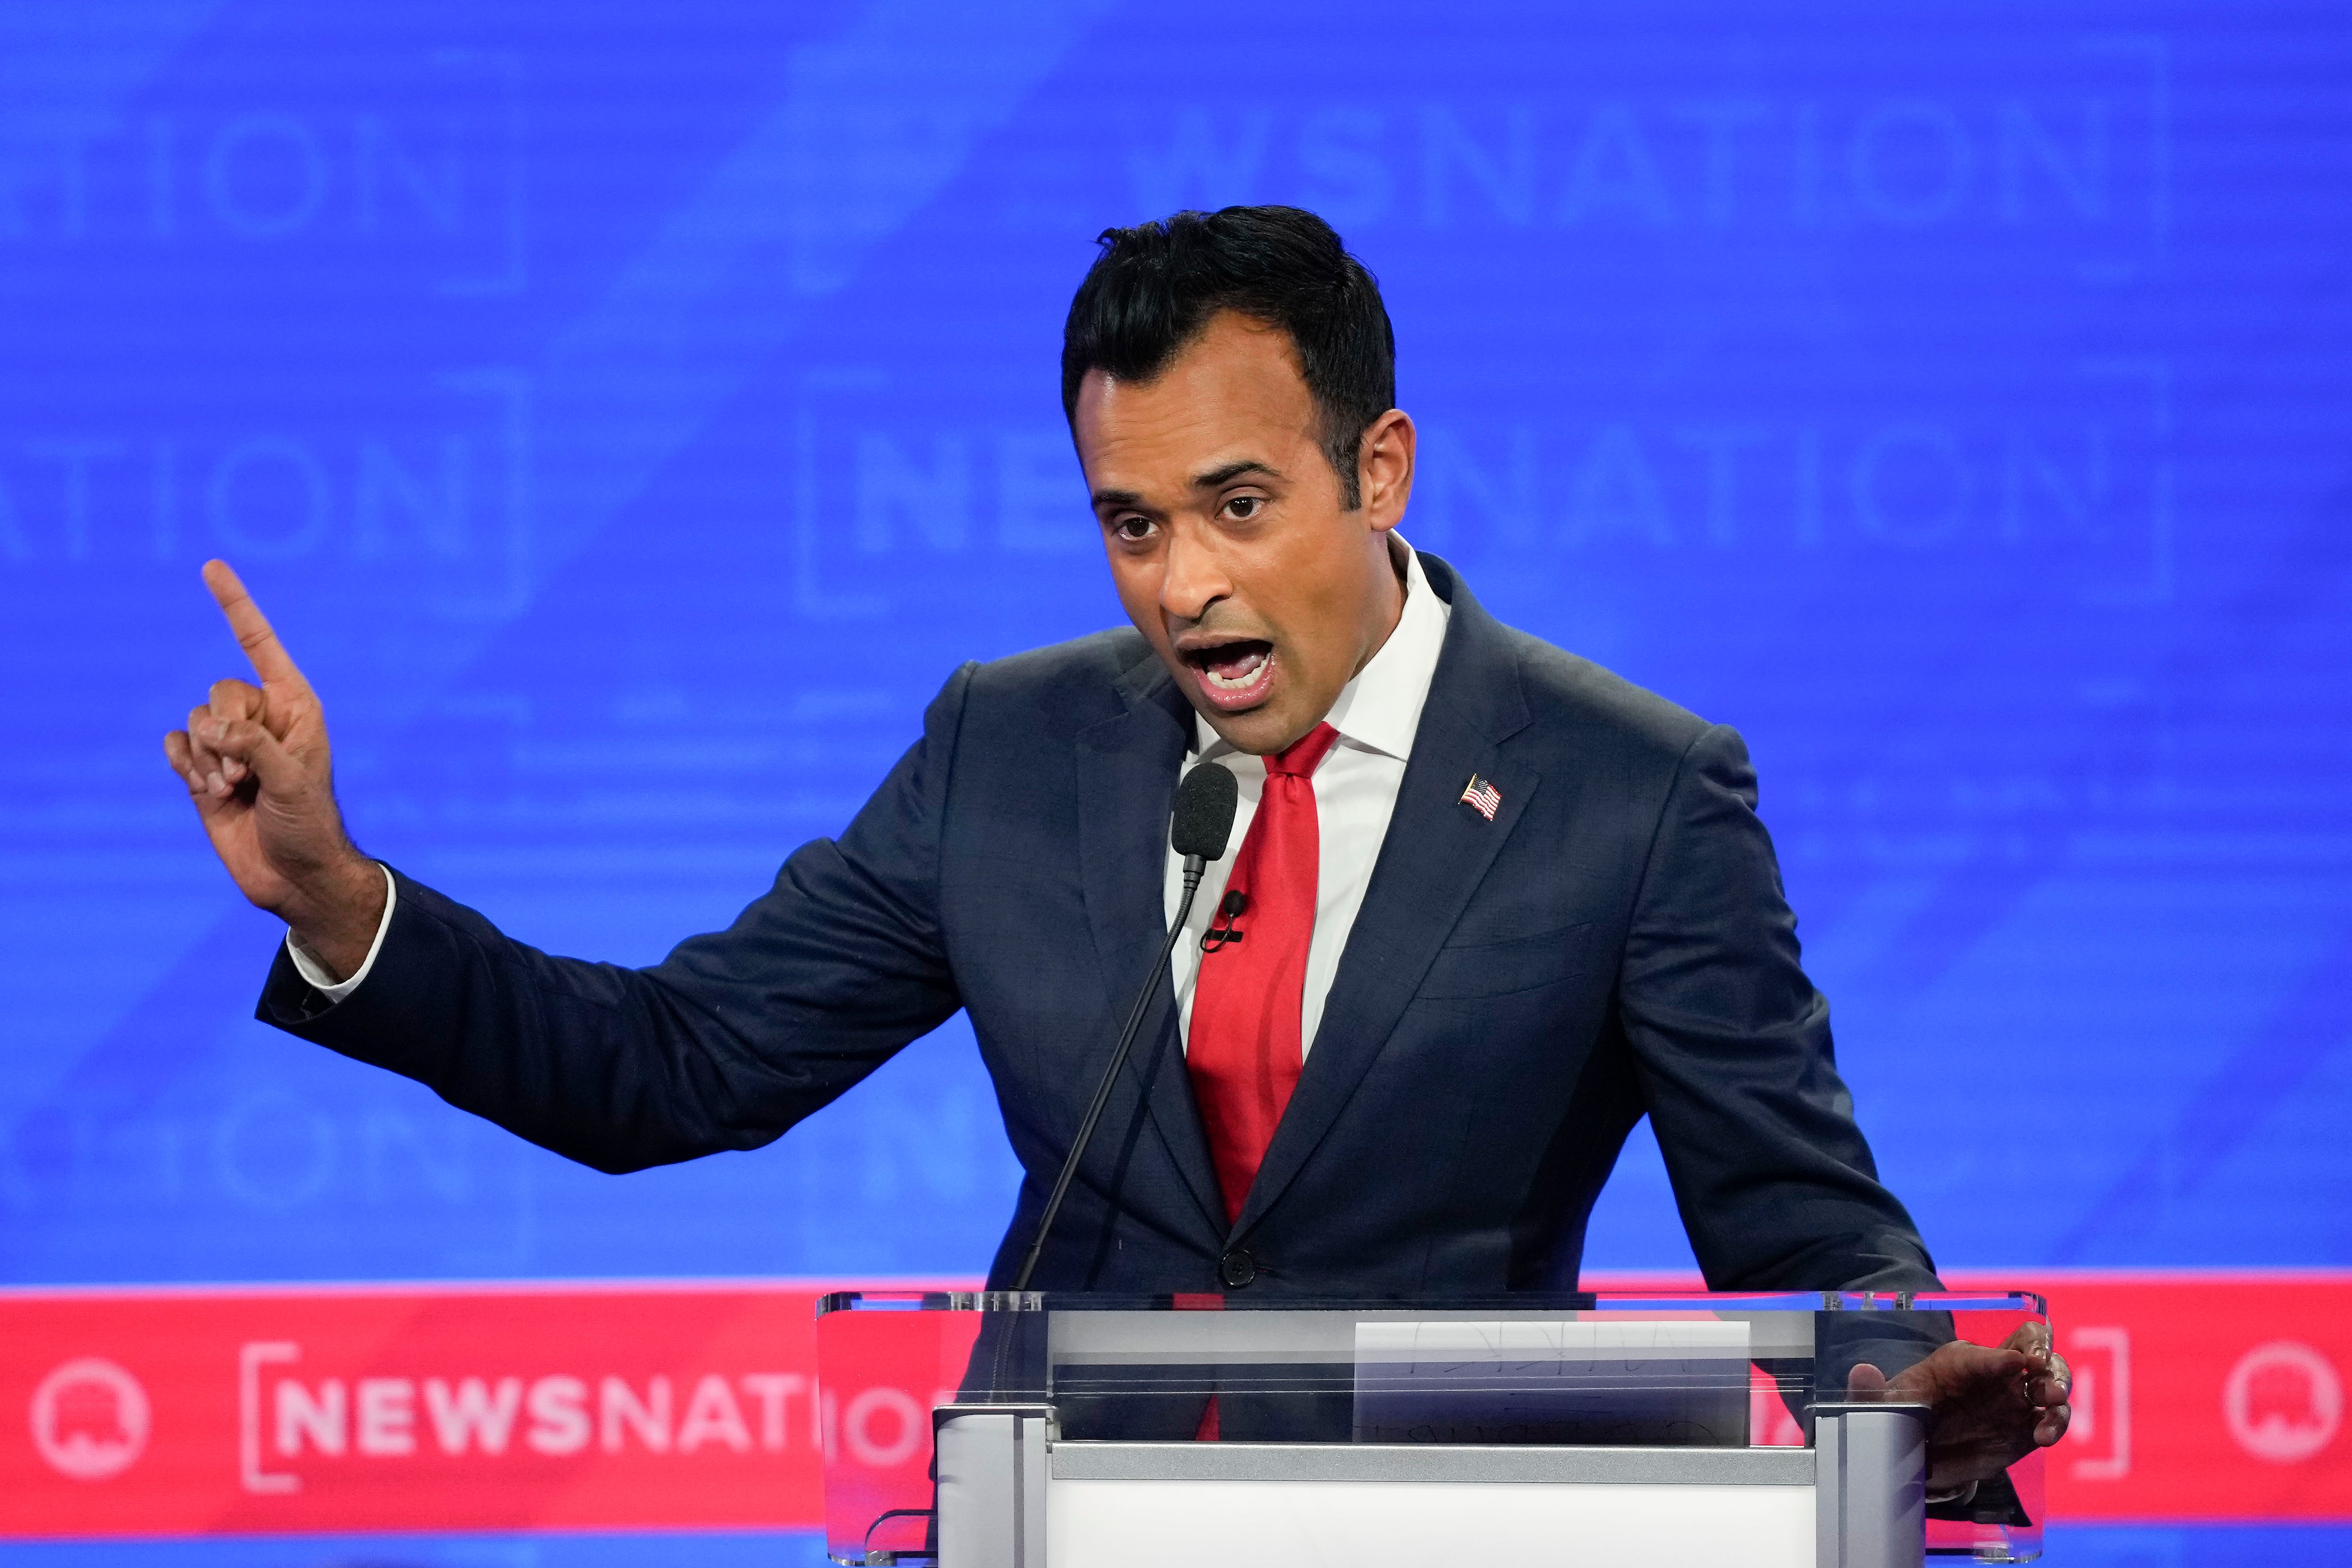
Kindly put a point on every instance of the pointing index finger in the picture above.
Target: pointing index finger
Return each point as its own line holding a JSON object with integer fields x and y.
{"x": 270, "y": 660}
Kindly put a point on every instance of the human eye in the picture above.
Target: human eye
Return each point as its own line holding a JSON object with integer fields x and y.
{"x": 1132, "y": 529}
{"x": 1241, "y": 509}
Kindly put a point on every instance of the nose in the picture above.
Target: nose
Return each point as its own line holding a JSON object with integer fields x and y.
{"x": 1191, "y": 579}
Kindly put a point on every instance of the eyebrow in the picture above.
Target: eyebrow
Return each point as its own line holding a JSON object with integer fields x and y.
{"x": 1216, "y": 477}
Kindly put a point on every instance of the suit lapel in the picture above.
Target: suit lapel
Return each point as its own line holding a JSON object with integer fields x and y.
{"x": 1436, "y": 852}
{"x": 1127, "y": 770}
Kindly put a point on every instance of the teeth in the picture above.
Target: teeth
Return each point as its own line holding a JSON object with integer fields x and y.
{"x": 1247, "y": 677}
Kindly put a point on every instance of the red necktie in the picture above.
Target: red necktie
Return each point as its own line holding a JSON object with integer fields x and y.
{"x": 1244, "y": 1049}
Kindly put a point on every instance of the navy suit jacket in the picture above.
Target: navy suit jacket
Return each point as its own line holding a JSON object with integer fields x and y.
{"x": 1515, "y": 996}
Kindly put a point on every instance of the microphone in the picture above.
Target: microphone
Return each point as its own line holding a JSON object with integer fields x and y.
{"x": 1229, "y": 910}
{"x": 1205, "y": 802}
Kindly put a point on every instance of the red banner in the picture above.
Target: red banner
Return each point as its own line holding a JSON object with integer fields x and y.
{"x": 2203, "y": 1396}
{"x": 571, "y": 1406}
{"x": 160, "y": 1412}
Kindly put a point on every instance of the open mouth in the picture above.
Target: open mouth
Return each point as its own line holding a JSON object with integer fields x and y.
{"x": 1234, "y": 674}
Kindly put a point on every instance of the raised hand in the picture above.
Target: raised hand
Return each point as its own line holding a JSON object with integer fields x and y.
{"x": 255, "y": 763}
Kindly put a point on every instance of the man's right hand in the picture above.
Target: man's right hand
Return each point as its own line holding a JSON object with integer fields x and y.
{"x": 255, "y": 762}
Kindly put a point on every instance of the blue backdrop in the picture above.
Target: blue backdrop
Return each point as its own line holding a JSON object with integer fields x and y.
{"x": 630, "y": 415}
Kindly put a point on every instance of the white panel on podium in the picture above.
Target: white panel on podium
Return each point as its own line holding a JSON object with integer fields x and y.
{"x": 1283, "y": 1524}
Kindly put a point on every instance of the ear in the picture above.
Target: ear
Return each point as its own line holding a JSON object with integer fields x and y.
{"x": 1385, "y": 469}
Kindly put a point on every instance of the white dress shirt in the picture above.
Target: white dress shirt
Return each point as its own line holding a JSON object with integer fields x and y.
{"x": 320, "y": 981}
{"x": 1355, "y": 794}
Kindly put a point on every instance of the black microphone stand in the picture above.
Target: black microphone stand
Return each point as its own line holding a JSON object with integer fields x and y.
{"x": 1194, "y": 866}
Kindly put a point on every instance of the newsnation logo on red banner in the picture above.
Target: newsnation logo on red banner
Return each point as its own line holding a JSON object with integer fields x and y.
{"x": 651, "y": 1405}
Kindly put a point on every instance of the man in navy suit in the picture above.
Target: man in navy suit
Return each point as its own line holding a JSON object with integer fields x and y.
{"x": 1490, "y": 904}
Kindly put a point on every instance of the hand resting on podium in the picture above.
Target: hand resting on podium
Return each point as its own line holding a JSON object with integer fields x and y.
{"x": 1992, "y": 1405}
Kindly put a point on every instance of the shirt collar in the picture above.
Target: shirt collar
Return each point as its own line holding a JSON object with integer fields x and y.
{"x": 1379, "y": 709}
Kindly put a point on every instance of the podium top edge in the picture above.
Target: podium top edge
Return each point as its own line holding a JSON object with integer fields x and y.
{"x": 1605, "y": 1300}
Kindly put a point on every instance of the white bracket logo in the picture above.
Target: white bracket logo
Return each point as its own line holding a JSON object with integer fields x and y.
{"x": 251, "y": 1358}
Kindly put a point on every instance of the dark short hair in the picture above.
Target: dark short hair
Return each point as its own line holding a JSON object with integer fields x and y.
{"x": 1155, "y": 286}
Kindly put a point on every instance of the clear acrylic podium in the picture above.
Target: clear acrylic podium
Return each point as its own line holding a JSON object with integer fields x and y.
{"x": 994, "y": 1430}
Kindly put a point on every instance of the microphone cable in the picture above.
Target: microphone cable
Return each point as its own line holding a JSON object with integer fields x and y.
{"x": 1203, "y": 820}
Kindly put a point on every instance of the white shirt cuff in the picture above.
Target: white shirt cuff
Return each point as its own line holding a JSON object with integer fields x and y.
{"x": 318, "y": 979}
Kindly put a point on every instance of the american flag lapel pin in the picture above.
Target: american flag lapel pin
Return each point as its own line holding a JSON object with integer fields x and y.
{"x": 1482, "y": 797}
